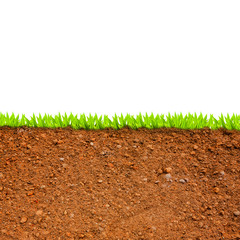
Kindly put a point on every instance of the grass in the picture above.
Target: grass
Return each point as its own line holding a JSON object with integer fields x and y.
{"x": 189, "y": 121}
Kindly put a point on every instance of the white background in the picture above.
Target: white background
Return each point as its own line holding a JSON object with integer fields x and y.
{"x": 125, "y": 56}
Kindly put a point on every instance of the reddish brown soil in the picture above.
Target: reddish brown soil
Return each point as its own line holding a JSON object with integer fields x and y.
{"x": 119, "y": 184}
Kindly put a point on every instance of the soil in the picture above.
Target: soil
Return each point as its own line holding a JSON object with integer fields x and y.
{"x": 162, "y": 183}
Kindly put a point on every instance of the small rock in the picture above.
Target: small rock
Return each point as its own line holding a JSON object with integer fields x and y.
{"x": 39, "y": 212}
{"x": 100, "y": 181}
{"x": 65, "y": 165}
{"x": 200, "y": 224}
{"x": 236, "y": 213}
{"x": 150, "y": 146}
{"x": 1, "y": 188}
{"x": 159, "y": 171}
{"x": 194, "y": 218}
{"x": 222, "y": 173}
{"x": 71, "y": 215}
{"x": 154, "y": 228}
{"x": 182, "y": 181}
{"x": 167, "y": 170}
{"x": 168, "y": 176}
{"x": 62, "y": 159}
{"x": 23, "y": 220}
{"x": 91, "y": 143}
{"x": 110, "y": 165}
{"x": 216, "y": 189}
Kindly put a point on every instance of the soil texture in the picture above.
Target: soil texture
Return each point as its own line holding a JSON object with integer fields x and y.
{"x": 165, "y": 183}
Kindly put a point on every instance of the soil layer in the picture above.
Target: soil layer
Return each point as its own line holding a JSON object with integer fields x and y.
{"x": 162, "y": 183}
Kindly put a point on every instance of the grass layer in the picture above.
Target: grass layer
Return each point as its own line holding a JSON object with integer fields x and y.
{"x": 188, "y": 121}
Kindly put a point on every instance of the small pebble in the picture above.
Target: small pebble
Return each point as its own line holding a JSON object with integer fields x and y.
{"x": 200, "y": 224}
{"x": 236, "y": 213}
{"x": 167, "y": 170}
{"x": 39, "y": 212}
{"x": 23, "y": 220}
{"x": 222, "y": 173}
{"x": 61, "y": 159}
{"x": 168, "y": 176}
{"x": 154, "y": 228}
{"x": 182, "y": 181}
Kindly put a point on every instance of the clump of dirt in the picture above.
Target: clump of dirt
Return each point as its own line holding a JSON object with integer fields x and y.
{"x": 162, "y": 183}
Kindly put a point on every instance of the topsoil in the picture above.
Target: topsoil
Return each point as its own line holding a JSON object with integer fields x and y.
{"x": 162, "y": 183}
